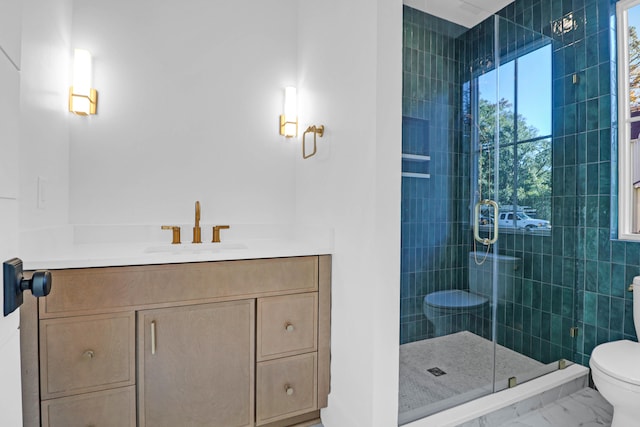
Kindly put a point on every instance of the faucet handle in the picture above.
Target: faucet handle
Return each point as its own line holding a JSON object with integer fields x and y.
{"x": 216, "y": 232}
{"x": 176, "y": 233}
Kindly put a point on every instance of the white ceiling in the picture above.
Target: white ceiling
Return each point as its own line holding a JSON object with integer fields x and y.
{"x": 467, "y": 13}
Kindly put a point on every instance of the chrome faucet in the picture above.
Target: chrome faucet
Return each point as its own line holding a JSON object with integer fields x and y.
{"x": 197, "y": 238}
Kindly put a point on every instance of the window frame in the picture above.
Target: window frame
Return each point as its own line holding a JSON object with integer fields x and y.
{"x": 516, "y": 142}
{"x": 626, "y": 196}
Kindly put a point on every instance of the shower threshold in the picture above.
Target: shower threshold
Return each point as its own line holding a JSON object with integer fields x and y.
{"x": 504, "y": 405}
{"x": 467, "y": 360}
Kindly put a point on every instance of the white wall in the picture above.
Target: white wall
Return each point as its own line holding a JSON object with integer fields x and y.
{"x": 44, "y": 150}
{"x": 350, "y": 81}
{"x": 189, "y": 95}
{"x": 10, "y": 33}
{"x": 10, "y": 12}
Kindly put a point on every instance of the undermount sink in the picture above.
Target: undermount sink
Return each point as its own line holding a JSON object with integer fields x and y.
{"x": 196, "y": 248}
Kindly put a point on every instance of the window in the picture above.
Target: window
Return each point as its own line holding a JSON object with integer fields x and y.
{"x": 628, "y": 13}
{"x": 520, "y": 92}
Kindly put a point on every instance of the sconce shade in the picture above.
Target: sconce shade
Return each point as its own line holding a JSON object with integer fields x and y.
{"x": 289, "y": 120}
{"x": 83, "y": 98}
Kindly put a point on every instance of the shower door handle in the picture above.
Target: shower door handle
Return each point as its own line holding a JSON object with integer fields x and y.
{"x": 476, "y": 222}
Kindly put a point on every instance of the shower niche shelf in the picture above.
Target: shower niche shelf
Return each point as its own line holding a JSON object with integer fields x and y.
{"x": 416, "y": 175}
{"x": 415, "y": 157}
{"x": 415, "y": 166}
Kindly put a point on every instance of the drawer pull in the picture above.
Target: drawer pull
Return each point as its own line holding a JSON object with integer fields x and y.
{"x": 288, "y": 389}
{"x": 153, "y": 337}
{"x": 289, "y": 327}
{"x": 89, "y": 354}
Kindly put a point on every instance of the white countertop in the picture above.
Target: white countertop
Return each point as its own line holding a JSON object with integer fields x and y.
{"x": 107, "y": 246}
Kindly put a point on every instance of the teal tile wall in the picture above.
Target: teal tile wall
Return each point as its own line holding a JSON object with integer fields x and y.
{"x": 433, "y": 246}
{"x": 587, "y": 260}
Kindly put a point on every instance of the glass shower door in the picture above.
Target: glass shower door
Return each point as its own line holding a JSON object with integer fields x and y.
{"x": 511, "y": 103}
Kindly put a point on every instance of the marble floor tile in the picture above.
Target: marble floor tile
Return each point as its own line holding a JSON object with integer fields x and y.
{"x": 585, "y": 408}
{"x": 523, "y": 407}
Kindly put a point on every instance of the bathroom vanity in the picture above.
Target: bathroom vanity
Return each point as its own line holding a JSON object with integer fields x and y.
{"x": 218, "y": 343}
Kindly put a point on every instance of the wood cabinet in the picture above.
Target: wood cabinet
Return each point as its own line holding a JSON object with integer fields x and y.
{"x": 216, "y": 344}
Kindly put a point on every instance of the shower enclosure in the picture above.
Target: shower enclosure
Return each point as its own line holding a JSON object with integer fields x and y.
{"x": 487, "y": 295}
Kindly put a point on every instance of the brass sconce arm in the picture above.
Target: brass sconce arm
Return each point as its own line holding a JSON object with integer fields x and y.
{"x": 92, "y": 98}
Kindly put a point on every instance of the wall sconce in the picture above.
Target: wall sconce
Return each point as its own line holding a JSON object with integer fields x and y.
{"x": 289, "y": 120}
{"x": 83, "y": 99}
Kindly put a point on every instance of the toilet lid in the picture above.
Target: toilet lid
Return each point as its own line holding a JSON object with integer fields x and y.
{"x": 454, "y": 299}
{"x": 619, "y": 359}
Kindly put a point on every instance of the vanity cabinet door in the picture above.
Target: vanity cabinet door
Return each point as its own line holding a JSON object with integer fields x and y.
{"x": 196, "y": 365}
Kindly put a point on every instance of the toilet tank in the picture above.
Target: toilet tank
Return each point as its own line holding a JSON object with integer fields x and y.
{"x": 481, "y": 273}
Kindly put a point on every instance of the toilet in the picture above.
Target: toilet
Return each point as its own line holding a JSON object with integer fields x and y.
{"x": 615, "y": 367}
{"x": 450, "y": 311}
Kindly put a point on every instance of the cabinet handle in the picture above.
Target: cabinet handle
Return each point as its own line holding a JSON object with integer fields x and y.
{"x": 288, "y": 389}
{"x": 89, "y": 354}
{"x": 153, "y": 337}
{"x": 289, "y": 327}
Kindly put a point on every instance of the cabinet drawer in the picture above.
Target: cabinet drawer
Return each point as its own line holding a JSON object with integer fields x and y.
{"x": 287, "y": 325}
{"x": 111, "y": 408}
{"x": 286, "y": 387}
{"x": 89, "y": 353}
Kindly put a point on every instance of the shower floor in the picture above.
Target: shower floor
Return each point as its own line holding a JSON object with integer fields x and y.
{"x": 466, "y": 359}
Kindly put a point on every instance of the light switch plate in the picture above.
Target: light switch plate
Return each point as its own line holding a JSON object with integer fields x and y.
{"x": 42, "y": 193}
